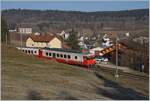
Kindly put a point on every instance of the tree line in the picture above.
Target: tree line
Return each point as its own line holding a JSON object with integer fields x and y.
{"x": 42, "y": 20}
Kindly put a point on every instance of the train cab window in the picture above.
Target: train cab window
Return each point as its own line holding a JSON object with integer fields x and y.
{"x": 49, "y": 54}
{"x": 76, "y": 57}
{"x": 57, "y": 55}
{"x": 46, "y": 53}
{"x": 65, "y": 56}
{"x": 69, "y": 57}
{"x": 61, "y": 55}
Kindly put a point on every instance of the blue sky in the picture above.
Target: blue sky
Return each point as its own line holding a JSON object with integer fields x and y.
{"x": 76, "y": 5}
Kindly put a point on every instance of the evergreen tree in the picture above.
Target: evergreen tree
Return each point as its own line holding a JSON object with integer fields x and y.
{"x": 4, "y": 31}
{"x": 73, "y": 40}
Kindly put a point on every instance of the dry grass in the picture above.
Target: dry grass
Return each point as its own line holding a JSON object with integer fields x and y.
{"x": 22, "y": 73}
{"x": 28, "y": 77}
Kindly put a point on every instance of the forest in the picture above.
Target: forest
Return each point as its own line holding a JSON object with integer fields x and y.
{"x": 44, "y": 20}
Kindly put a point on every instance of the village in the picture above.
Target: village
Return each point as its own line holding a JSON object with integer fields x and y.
{"x": 97, "y": 44}
{"x": 104, "y": 52}
{"x": 68, "y": 50}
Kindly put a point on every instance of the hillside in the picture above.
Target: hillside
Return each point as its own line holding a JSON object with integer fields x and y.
{"x": 55, "y": 20}
{"x": 24, "y": 77}
{"x": 22, "y": 73}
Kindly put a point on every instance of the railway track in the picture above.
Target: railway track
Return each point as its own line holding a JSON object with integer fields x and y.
{"x": 120, "y": 72}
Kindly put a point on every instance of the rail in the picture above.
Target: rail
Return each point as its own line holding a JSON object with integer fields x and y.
{"x": 121, "y": 72}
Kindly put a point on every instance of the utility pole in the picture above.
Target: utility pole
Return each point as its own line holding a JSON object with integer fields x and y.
{"x": 116, "y": 72}
{"x": 21, "y": 39}
{"x": 6, "y": 39}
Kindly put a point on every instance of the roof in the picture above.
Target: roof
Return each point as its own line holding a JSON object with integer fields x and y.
{"x": 97, "y": 48}
{"x": 42, "y": 38}
{"x": 130, "y": 44}
{"x": 65, "y": 46}
{"x": 24, "y": 25}
{"x": 63, "y": 50}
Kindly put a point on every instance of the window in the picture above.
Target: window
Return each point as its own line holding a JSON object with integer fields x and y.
{"x": 23, "y": 50}
{"x": 76, "y": 57}
{"x": 61, "y": 55}
{"x": 57, "y": 55}
{"x": 46, "y": 53}
{"x": 69, "y": 57}
{"x": 65, "y": 56}
{"x": 49, "y": 54}
{"x": 26, "y": 51}
{"x": 34, "y": 51}
{"x": 29, "y": 51}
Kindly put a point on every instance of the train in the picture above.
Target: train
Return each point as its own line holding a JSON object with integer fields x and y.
{"x": 61, "y": 55}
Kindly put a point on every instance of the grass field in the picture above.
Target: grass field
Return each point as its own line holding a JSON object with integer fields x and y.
{"x": 28, "y": 77}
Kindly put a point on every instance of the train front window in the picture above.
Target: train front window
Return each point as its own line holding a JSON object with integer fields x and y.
{"x": 88, "y": 58}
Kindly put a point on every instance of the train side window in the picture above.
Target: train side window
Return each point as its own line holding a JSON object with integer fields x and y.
{"x": 29, "y": 51}
{"x": 61, "y": 55}
{"x": 23, "y": 50}
{"x": 57, "y": 55}
{"x": 46, "y": 53}
{"x": 34, "y": 51}
{"x": 65, "y": 56}
{"x": 76, "y": 57}
{"x": 26, "y": 51}
{"x": 49, "y": 54}
{"x": 69, "y": 57}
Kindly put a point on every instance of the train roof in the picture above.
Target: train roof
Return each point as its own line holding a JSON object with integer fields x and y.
{"x": 58, "y": 49}
{"x": 66, "y": 50}
{"x": 62, "y": 50}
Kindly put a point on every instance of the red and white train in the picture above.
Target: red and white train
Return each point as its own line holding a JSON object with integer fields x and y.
{"x": 61, "y": 55}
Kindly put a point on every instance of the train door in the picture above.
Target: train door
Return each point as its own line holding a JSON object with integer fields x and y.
{"x": 54, "y": 55}
{"x": 40, "y": 53}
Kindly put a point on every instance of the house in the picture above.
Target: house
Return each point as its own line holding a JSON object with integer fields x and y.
{"x": 24, "y": 30}
{"x": 12, "y": 30}
{"x": 42, "y": 41}
{"x": 64, "y": 34}
{"x": 106, "y": 42}
{"x": 141, "y": 40}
